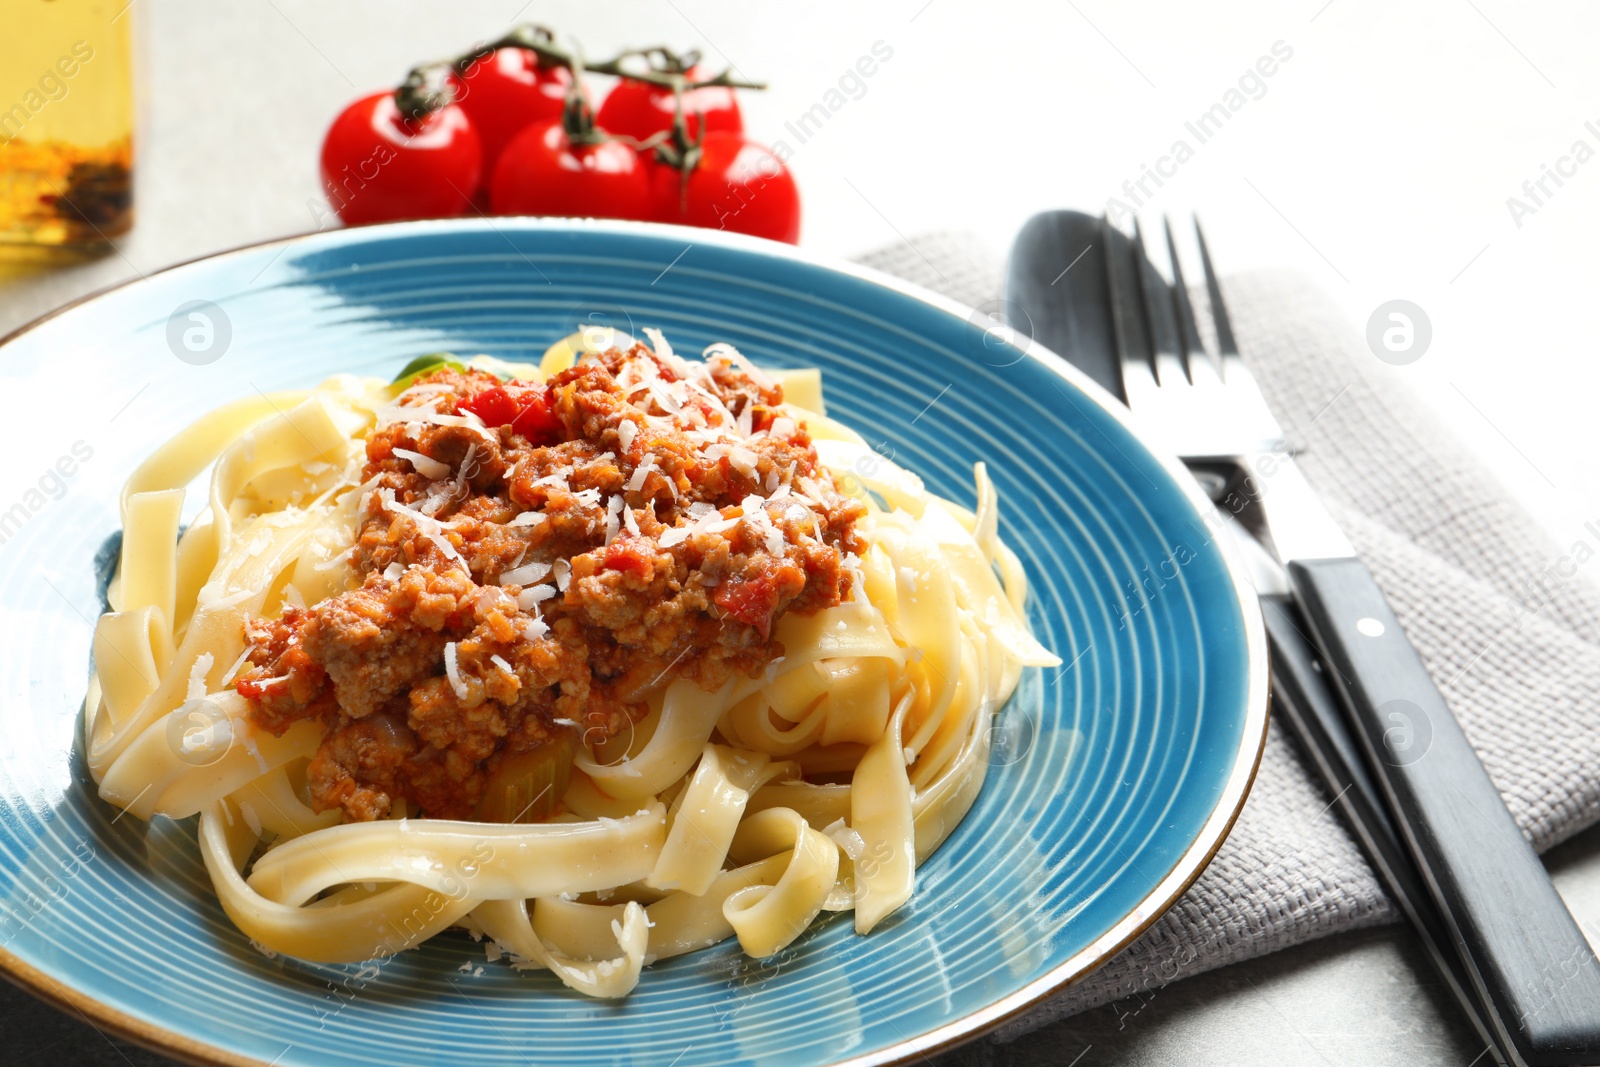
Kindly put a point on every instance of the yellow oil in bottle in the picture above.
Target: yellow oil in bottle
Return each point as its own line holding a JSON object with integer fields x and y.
{"x": 66, "y": 124}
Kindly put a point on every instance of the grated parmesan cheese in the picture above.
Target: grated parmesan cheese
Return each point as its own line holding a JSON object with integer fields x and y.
{"x": 452, "y": 671}
{"x": 658, "y": 344}
{"x": 641, "y": 472}
{"x": 429, "y": 526}
{"x": 468, "y": 468}
{"x": 858, "y": 576}
{"x": 627, "y": 430}
{"x": 530, "y": 599}
{"x": 527, "y": 518}
{"x": 527, "y": 574}
{"x": 725, "y": 417}
{"x": 556, "y": 478}
{"x": 437, "y": 496}
{"x": 339, "y": 560}
{"x": 388, "y": 416}
{"x": 613, "y": 512}
{"x": 234, "y": 670}
{"x": 489, "y": 598}
{"x": 755, "y": 512}
{"x": 664, "y": 397}
{"x": 744, "y": 461}
{"x": 426, "y": 466}
{"x": 724, "y": 352}
{"x": 197, "y": 675}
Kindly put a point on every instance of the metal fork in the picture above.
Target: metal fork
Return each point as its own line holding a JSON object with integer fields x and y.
{"x": 1521, "y": 963}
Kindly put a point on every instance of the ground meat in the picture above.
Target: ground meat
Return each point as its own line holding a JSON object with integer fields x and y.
{"x": 657, "y": 517}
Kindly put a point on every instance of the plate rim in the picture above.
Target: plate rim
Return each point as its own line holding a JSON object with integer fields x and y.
{"x": 1184, "y": 872}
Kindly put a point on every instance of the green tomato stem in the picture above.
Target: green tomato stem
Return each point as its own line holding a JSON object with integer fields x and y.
{"x": 427, "y": 87}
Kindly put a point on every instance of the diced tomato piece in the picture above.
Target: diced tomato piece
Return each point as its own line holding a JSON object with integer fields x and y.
{"x": 631, "y": 556}
{"x": 536, "y": 418}
{"x": 749, "y": 600}
{"x": 666, "y": 372}
{"x": 494, "y": 406}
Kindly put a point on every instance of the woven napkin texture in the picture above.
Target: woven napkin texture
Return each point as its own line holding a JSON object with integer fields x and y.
{"x": 1507, "y": 622}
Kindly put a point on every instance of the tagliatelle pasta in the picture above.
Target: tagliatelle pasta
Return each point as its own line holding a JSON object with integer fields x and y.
{"x": 608, "y": 659}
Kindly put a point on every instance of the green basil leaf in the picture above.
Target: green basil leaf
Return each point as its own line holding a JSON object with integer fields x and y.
{"x": 423, "y": 364}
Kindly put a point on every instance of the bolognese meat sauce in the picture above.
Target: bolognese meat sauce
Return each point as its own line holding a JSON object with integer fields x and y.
{"x": 534, "y": 561}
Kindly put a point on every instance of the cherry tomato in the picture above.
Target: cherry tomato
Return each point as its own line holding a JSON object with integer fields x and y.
{"x": 542, "y": 172}
{"x": 736, "y": 185}
{"x": 378, "y": 165}
{"x": 507, "y": 91}
{"x": 639, "y": 109}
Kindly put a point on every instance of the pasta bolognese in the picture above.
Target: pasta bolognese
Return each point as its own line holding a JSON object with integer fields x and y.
{"x": 607, "y": 658}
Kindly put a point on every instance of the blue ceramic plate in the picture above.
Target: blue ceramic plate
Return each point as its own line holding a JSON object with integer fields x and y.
{"x": 1113, "y": 780}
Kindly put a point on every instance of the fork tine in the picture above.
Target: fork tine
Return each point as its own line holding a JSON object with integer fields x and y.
{"x": 1133, "y": 343}
{"x": 1196, "y": 359}
{"x": 1162, "y": 320}
{"x": 1197, "y": 410}
{"x": 1219, "y": 310}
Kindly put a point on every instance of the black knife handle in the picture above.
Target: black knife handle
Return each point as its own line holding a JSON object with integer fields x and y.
{"x": 1520, "y": 944}
{"x": 1306, "y": 702}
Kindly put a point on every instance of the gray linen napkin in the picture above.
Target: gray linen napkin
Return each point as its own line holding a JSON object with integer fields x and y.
{"x": 1507, "y": 623}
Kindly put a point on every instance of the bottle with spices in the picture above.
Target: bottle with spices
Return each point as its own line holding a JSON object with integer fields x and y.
{"x": 66, "y": 125}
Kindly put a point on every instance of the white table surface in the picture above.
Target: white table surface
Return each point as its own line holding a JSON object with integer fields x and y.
{"x": 1379, "y": 160}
